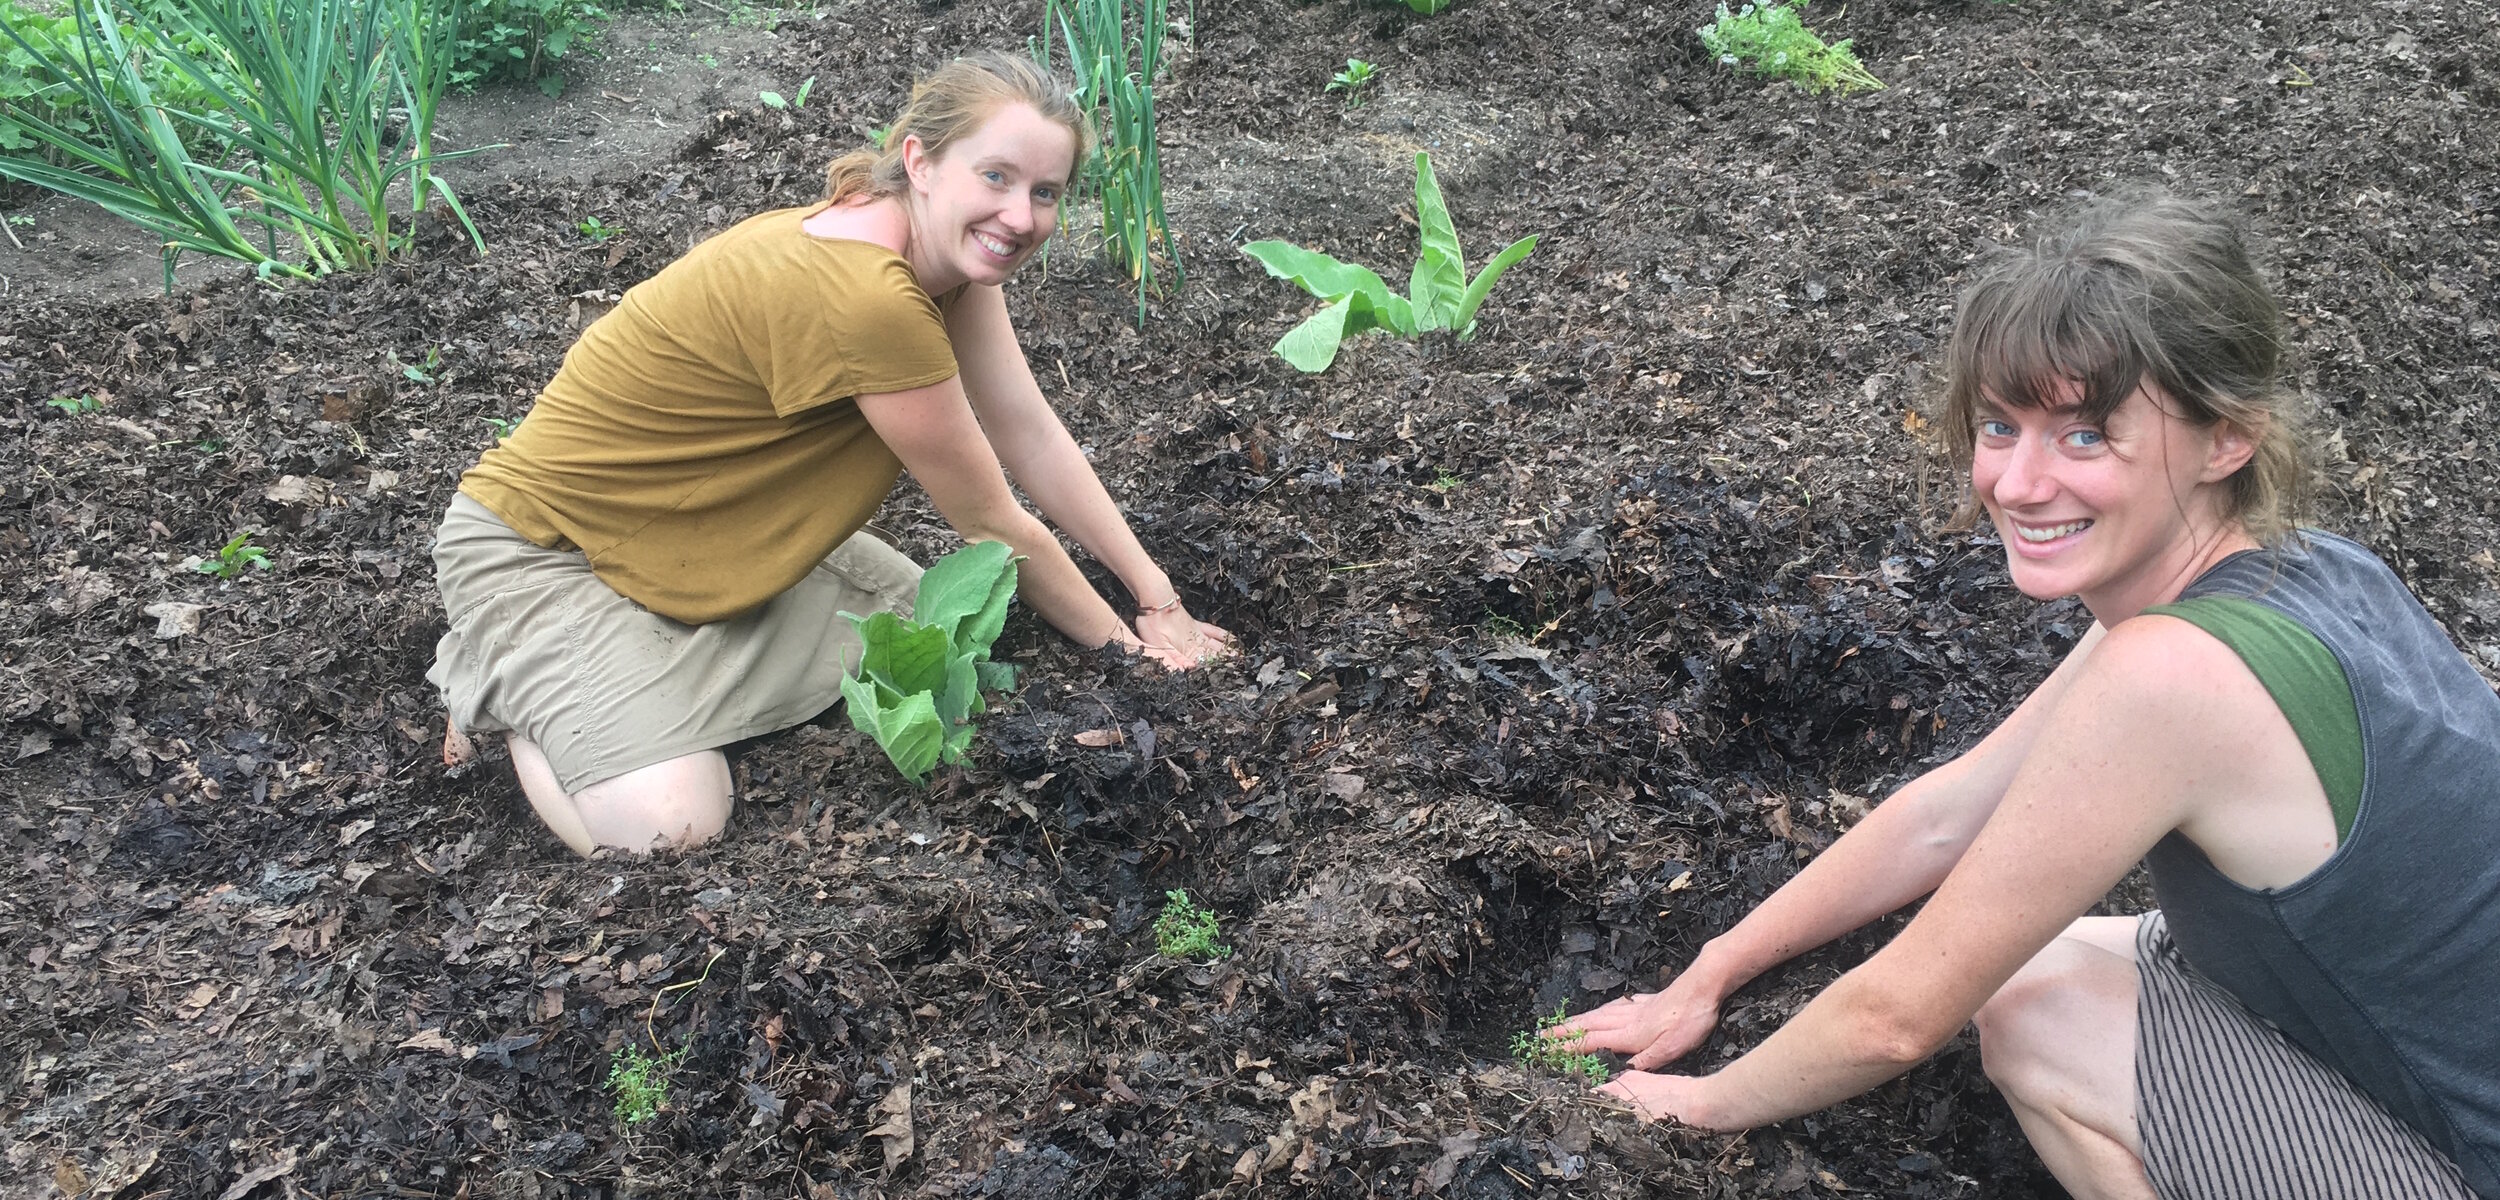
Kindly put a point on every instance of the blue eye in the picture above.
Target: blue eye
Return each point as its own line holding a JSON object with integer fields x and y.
{"x": 993, "y": 176}
{"x": 1991, "y": 427}
{"x": 2085, "y": 439}
{"x": 1047, "y": 195}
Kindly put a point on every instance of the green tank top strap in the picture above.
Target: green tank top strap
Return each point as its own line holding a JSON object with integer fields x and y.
{"x": 2305, "y": 680}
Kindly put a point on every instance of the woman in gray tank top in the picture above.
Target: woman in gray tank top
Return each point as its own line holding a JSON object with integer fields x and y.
{"x": 2264, "y": 714}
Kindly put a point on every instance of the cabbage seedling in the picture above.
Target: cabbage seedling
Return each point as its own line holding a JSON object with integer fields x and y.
{"x": 1438, "y": 293}
{"x": 919, "y": 680}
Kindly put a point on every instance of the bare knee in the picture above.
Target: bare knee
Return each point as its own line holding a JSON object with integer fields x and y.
{"x": 682, "y": 802}
{"x": 2065, "y": 1008}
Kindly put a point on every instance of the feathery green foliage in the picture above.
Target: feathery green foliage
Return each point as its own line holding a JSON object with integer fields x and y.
{"x": 1768, "y": 37}
{"x": 1534, "y": 1051}
{"x": 1185, "y": 930}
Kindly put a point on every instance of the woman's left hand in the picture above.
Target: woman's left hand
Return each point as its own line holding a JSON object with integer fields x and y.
{"x": 1677, "y": 1098}
{"x": 1180, "y": 641}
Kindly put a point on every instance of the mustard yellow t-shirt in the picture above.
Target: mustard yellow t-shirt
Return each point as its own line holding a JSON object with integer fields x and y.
{"x": 701, "y": 444}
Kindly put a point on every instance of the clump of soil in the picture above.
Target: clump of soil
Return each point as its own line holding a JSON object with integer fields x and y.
{"x": 1562, "y": 646}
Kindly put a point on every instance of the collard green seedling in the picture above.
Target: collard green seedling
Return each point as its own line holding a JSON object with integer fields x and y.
{"x": 597, "y": 230}
{"x": 1534, "y": 1050}
{"x": 1185, "y": 930}
{"x": 1427, "y": 7}
{"x": 1768, "y": 37}
{"x": 503, "y": 426}
{"x": 1439, "y": 295}
{"x": 920, "y": 679}
{"x": 76, "y": 406}
{"x": 1356, "y": 76}
{"x": 640, "y": 1082}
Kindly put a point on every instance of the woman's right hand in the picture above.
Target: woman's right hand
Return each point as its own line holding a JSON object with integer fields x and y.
{"x": 1180, "y": 641}
{"x": 1655, "y": 1028}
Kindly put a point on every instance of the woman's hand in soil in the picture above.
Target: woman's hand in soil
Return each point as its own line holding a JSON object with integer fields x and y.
{"x": 1655, "y": 1028}
{"x": 1180, "y": 641}
{"x": 1678, "y": 1098}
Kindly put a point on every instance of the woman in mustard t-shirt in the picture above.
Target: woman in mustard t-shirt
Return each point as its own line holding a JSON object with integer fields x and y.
{"x": 650, "y": 567}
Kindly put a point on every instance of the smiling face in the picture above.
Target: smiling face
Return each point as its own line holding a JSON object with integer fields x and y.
{"x": 985, "y": 205}
{"x": 2123, "y": 513}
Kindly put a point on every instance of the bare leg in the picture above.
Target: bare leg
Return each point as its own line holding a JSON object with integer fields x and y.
{"x": 2059, "y": 1040}
{"x": 681, "y": 802}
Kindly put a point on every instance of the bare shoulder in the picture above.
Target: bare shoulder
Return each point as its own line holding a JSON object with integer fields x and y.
{"x": 879, "y": 222}
{"x": 2166, "y": 689}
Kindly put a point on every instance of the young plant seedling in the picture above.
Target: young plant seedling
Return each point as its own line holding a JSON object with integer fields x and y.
{"x": 597, "y": 230}
{"x": 1186, "y": 931}
{"x": 1356, "y": 76}
{"x": 231, "y": 558}
{"x": 423, "y": 373}
{"x": 920, "y": 679}
{"x": 76, "y": 406}
{"x": 775, "y": 100}
{"x": 640, "y": 1082}
{"x": 503, "y": 426}
{"x": 1767, "y": 37}
{"x": 1439, "y": 294}
{"x": 1427, "y": 7}
{"x": 1536, "y": 1051}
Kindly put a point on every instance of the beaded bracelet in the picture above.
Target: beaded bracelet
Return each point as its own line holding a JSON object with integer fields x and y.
{"x": 1160, "y": 609}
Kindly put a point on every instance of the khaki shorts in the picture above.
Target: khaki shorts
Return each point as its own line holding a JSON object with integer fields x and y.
{"x": 538, "y": 646}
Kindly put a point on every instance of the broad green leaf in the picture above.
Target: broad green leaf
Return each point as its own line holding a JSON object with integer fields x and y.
{"x": 980, "y": 630}
{"x": 908, "y": 729}
{"x": 1440, "y": 274}
{"x": 1317, "y": 273}
{"x": 904, "y": 655}
{"x": 964, "y": 584}
{"x": 1312, "y": 345}
{"x": 995, "y": 676}
{"x": 960, "y": 695}
{"x": 1465, "y": 319}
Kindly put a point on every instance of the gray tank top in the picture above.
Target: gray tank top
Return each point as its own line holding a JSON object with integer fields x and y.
{"x": 2385, "y": 961}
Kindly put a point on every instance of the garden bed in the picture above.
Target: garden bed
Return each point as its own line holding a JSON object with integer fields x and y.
{"x": 1561, "y": 647}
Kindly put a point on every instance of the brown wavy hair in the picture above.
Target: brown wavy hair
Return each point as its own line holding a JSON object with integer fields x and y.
{"x": 2135, "y": 288}
{"x": 950, "y": 104}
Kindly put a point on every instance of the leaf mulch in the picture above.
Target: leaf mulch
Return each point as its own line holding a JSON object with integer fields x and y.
{"x": 1561, "y": 647}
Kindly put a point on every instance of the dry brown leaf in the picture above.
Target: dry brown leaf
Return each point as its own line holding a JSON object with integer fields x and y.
{"x": 1099, "y": 738}
{"x": 896, "y": 1127}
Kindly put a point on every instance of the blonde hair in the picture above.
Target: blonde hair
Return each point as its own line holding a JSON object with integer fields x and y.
{"x": 2138, "y": 288}
{"x": 950, "y": 104}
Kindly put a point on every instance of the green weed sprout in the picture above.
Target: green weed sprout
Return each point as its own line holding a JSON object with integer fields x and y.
{"x": 640, "y": 1081}
{"x": 75, "y": 406}
{"x": 1535, "y": 1051}
{"x": 231, "y": 558}
{"x": 1356, "y": 76}
{"x": 597, "y": 230}
{"x": 422, "y": 373}
{"x": 1767, "y": 37}
{"x": 775, "y": 100}
{"x": 1186, "y": 931}
{"x": 1439, "y": 294}
{"x": 920, "y": 679}
{"x": 503, "y": 426}
{"x": 1427, "y": 7}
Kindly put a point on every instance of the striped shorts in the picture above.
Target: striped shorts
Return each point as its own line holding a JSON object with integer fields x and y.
{"x": 2230, "y": 1109}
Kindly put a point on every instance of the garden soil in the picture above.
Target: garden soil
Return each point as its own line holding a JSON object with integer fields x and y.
{"x": 1560, "y": 647}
